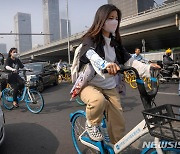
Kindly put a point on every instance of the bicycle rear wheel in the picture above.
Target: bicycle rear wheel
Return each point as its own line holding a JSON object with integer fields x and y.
{"x": 77, "y": 128}
{"x": 133, "y": 83}
{"x": 36, "y": 104}
{"x": 7, "y": 98}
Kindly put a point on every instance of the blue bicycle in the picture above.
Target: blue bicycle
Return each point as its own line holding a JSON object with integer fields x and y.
{"x": 162, "y": 122}
{"x": 33, "y": 99}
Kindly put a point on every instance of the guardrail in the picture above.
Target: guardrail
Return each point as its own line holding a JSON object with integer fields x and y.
{"x": 157, "y": 8}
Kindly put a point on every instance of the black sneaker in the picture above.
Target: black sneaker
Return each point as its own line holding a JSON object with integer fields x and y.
{"x": 94, "y": 132}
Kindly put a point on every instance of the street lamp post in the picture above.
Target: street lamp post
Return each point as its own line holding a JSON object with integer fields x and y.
{"x": 143, "y": 47}
{"x": 69, "y": 56}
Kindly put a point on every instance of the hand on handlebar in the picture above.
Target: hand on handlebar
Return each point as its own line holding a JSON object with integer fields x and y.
{"x": 112, "y": 68}
{"x": 14, "y": 70}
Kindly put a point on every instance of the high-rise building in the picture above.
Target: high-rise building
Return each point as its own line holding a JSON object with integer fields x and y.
{"x": 63, "y": 28}
{"x": 23, "y": 26}
{"x": 51, "y": 20}
{"x": 132, "y": 7}
{"x": 3, "y": 48}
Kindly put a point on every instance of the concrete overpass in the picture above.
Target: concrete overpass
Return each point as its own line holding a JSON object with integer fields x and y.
{"x": 159, "y": 27}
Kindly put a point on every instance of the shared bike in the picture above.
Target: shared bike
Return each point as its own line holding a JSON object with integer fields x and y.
{"x": 162, "y": 122}
{"x": 33, "y": 99}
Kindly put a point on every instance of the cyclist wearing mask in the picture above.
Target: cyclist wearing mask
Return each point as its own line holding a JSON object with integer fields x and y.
{"x": 12, "y": 65}
{"x": 102, "y": 49}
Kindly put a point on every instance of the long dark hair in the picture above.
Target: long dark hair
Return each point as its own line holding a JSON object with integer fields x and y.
{"x": 10, "y": 51}
{"x": 95, "y": 31}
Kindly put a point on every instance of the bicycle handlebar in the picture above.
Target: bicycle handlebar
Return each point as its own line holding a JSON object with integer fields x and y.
{"x": 147, "y": 97}
{"x": 24, "y": 72}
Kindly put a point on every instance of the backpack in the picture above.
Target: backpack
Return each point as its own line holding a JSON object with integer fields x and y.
{"x": 75, "y": 64}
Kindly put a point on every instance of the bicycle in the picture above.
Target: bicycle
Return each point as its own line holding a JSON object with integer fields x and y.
{"x": 65, "y": 77}
{"x": 33, "y": 99}
{"x": 83, "y": 143}
{"x": 130, "y": 78}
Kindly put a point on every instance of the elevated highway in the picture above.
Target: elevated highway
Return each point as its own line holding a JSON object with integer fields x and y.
{"x": 159, "y": 27}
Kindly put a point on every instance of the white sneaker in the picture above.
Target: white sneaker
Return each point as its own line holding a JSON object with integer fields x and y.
{"x": 94, "y": 132}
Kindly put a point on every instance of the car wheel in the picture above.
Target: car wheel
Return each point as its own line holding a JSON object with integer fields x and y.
{"x": 40, "y": 86}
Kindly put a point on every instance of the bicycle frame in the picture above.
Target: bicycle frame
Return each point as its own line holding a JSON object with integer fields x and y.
{"x": 137, "y": 132}
{"x": 25, "y": 91}
{"x": 22, "y": 97}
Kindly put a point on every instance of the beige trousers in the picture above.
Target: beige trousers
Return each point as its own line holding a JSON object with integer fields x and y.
{"x": 99, "y": 100}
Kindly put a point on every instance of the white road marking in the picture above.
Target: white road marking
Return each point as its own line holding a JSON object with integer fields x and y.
{"x": 163, "y": 93}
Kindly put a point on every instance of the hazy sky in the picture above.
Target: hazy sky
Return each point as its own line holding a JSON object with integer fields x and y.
{"x": 81, "y": 15}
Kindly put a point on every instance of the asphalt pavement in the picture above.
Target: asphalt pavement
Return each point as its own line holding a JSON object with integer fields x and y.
{"x": 49, "y": 131}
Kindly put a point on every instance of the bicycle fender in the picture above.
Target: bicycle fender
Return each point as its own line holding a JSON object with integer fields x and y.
{"x": 75, "y": 113}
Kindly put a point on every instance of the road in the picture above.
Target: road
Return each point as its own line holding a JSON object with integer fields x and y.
{"x": 49, "y": 131}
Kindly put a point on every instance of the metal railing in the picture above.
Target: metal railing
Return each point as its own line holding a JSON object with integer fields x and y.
{"x": 156, "y": 8}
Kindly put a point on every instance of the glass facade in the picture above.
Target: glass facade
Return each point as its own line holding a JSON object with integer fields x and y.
{"x": 23, "y": 26}
{"x": 132, "y": 7}
{"x": 51, "y": 20}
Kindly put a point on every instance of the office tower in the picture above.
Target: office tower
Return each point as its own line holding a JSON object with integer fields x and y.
{"x": 51, "y": 20}
{"x": 132, "y": 7}
{"x": 3, "y": 48}
{"x": 63, "y": 28}
{"x": 22, "y": 22}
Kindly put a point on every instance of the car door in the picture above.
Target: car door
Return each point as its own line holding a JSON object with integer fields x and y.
{"x": 53, "y": 74}
{"x": 49, "y": 74}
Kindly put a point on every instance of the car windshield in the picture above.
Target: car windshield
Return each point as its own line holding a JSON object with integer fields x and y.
{"x": 35, "y": 67}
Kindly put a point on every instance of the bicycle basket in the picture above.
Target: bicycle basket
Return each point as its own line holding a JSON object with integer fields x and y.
{"x": 164, "y": 121}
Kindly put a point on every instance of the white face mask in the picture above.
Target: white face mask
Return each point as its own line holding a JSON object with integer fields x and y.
{"x": 110, "y": 25}
{"x": 15, "y": 55}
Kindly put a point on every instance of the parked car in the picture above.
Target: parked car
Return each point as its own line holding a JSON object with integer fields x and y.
{"x": 2, "y": 130}
{"x": 43, "y": 74}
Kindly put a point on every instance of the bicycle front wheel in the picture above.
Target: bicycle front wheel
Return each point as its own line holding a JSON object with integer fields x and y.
{"x": 7, "y": 98}
{"x": 77, "y": 128}
{"x": 35, "y": 101}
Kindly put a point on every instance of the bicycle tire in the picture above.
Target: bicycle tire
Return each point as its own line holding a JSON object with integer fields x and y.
{"x": 77, "y": 128}
{"x": 133, "y": 83}
{"x": 127, "y": 77}
{"x": 147, "y": 81}
{"x": 7, "y": 98}
{"x": 37, "y": 104}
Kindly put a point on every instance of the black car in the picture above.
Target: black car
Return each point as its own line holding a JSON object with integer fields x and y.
{"x": 43, "y": 74}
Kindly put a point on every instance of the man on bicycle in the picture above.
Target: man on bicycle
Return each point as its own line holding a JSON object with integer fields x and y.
{"x": 168, "y": 63}
{"x": 139, "y": 57}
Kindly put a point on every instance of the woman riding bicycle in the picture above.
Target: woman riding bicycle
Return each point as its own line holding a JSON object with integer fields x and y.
{"x": 101, "y": 94}
{"x": 12, "y": 65}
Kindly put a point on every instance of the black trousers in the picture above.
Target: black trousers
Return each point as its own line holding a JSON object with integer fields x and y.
{"x": 17, "y": 83}
{"x": 3, "y": 84}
